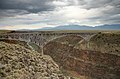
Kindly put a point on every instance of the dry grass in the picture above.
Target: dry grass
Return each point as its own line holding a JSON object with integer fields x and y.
{"x": 4, "y": 31}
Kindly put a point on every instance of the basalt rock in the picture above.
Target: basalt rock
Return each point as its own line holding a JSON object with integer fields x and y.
{"x": 91, "y": 64}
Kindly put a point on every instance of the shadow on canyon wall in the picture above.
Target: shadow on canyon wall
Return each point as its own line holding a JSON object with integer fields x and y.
{"x": 97, "y": 59}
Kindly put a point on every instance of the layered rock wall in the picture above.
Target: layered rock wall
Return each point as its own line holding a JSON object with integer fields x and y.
{"x": 92, "y": 64}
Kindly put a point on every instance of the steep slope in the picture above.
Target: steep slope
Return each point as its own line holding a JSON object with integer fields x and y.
{"x": 17, "y": 62}
{"x": 88, "y": 64}
{"x": 106, "y": 42}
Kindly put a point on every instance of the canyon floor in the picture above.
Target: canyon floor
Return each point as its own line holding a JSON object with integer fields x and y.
{"x": 69, "y": 57}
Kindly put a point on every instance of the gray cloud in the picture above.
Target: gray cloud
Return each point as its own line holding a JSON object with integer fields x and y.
{"x": 90, "y": 4}
{"x": 11, "y": 8}
{"x": 110, "y": 10}
{"x": 28, "y": 5}
{"x": 113, "y": 5}
{"x": 11, "y": 13}
{"x": 50, "y": 11}
{"x": 34, "y": 6}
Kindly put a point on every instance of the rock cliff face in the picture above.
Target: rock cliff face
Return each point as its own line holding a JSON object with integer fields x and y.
{"x": 18, "y": 62}
{"x": 91, "y": 64}
{"x": 106, "y": 43}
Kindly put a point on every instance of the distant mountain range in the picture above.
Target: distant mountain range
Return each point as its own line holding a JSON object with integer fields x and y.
{"x": 78, "y": 27}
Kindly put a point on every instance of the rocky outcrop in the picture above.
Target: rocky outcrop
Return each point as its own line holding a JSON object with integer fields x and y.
{"x": 106, "y": 43}
{"x": 69, "y": 39}
{"x": 17, "y": 62}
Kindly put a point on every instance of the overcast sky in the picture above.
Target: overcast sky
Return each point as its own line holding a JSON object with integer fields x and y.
{"x": 33, "y": 14}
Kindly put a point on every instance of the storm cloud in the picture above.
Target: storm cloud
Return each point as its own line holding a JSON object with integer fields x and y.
{"x": 28, "y": 5}
{"x": 44, "y": 13}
